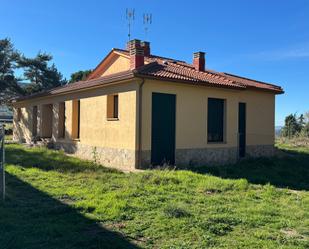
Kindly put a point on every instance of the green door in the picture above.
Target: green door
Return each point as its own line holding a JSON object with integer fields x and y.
{"x": 242, "y": 129}
{"x": 163, "y": 129}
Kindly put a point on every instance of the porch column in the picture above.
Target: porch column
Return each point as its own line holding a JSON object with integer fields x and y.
{"x": 40, "y": 121}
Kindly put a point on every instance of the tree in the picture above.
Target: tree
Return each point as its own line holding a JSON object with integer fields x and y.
{"x": 307, "y": 117}
{"x": 301, "y": 121}
{"x": 37, "y": 72}
{"x": 9, "y": 57}
{"x": 305, "y": 130}
{"x": 79, "y": 75}
{"x": 40, "y": 75}
{"x": 291, "y": 126}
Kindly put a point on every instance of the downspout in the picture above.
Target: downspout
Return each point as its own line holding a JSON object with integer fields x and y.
{"x": 140, "y": 110}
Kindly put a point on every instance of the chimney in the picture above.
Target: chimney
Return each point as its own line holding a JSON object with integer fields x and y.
{"x": 199, "y": 61}
{"x": 146, "y": 46}
{"x": 136, "y": 54}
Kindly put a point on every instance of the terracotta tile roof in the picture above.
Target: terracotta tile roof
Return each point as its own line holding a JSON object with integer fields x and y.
{"x": 166, "y": 69}
{"x": 162, "y": 67}
{"x": 254, "y": 83}
{"x": 178, "y": 72}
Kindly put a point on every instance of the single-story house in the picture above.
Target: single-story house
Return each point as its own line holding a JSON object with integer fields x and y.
{"x": 137, "y": 109}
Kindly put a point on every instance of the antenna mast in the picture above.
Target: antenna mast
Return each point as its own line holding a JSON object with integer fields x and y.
{"x": 147, "y": 21}
{"x": 130, "y": 16}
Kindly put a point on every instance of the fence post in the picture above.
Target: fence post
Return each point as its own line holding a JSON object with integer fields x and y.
{"x": 2, "y": 162}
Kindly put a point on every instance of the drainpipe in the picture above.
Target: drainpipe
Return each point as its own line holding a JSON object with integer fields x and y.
{"x": 140, "y": 110}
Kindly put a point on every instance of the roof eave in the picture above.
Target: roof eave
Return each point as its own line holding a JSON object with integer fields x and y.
{"x": 101, "y": 82}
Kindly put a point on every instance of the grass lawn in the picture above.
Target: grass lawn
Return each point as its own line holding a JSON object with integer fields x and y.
{"x": 55, "y": 201}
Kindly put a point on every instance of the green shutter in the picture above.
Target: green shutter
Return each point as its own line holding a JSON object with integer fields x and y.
{"x": 215, "y": 120}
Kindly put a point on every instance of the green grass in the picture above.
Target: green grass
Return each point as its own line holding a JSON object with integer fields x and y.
{"x": 56, "y": 201}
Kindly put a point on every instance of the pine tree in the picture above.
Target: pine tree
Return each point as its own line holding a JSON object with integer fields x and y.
{"x": 79, "y": 75}
{"x": 301, "y": 121}
{"x": 40, "y": 75}
{"x": 291, "y": 126}
{"x": 9, "y": 57}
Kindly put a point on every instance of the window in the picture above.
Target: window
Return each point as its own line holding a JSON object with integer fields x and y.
{"x": 215, "y": 120}
{"x": 112, "y": 107}
{"x": 76, "y": 119}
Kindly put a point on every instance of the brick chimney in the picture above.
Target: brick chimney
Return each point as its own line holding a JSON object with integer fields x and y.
{"x": 199, "y": 61}
{"x": 146, "y": 46}
{"x": 136, "y": 54}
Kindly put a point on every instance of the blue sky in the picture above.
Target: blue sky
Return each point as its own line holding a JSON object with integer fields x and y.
{"x": 264, "y": 40}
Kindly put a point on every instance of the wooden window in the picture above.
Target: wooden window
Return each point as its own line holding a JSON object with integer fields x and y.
{"x": 112, "y": 107}
{"x": 76, "y": 119}
{"x": 215, "y": 120}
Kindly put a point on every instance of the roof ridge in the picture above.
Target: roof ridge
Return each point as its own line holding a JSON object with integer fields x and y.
{"x": 211, "y": 74}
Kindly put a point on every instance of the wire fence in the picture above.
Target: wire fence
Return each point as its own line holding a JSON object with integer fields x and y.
{"x": 2, "y": 161}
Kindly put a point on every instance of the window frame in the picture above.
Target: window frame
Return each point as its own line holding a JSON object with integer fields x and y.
{"x": 112, "y": 107}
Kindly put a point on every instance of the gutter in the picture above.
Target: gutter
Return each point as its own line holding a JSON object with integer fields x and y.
{"x": 140, "y": 110}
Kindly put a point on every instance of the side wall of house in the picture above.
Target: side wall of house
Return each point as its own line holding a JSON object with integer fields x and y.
{"x": 192, "y": 147}
{"x": 110, "y": 142}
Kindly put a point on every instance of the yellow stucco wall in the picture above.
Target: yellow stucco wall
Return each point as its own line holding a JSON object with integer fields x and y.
{"x": 115, "y": 65}
{"x": 191, "y": 114}
{"x": 95, "y": 129}
{"x": 22, "y": 129}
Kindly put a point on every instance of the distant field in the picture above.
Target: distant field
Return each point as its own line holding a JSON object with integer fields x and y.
{"x": 56, "y": 201}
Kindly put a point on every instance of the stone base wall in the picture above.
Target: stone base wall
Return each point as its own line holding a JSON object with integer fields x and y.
{"x": 260, "y": 150}
{"x": 123, "y": 159}
{"x": 210, "y": 156}
{"x": 197, "y": 157}
{"x": 205, "y": 156}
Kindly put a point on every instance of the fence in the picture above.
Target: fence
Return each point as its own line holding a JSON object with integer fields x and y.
{"x": 2, "y": 161}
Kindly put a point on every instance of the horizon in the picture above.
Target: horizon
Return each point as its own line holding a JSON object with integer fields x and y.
{"x": 258, "y": 40}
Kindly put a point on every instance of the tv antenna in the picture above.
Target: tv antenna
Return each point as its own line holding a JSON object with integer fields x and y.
{"x": 147, "y": 21}
{"x": 130, "y": 16}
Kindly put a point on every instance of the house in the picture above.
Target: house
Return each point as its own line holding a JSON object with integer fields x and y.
{"x": 137, "y": 109}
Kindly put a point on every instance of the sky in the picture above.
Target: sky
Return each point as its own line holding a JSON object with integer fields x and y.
{"x": 259, "y": 39}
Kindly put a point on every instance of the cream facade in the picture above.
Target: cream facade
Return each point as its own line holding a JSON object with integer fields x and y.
{"x": 80, "y": 121}
{"x": 192, "y": 147}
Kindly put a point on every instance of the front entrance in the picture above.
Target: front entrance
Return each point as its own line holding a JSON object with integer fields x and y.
{"x": 242, "y": 129}
{"x": 163, "y": 129}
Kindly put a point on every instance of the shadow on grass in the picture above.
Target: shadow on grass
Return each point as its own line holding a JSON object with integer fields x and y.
{"x": 32, "y": 219}
{"x": 289, "y": 170}
{"x": 46, "y": 159}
